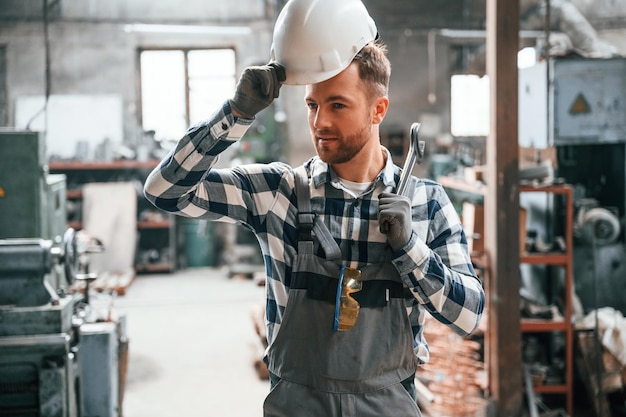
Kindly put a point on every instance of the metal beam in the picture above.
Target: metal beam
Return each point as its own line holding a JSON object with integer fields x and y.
{"x": 502, "y": 210}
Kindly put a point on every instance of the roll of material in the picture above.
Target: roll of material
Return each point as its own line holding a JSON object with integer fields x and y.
{"x": 599, "y": 224}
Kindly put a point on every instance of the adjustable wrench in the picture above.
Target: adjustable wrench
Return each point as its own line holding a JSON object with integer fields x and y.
{"x": 414, "y": 155}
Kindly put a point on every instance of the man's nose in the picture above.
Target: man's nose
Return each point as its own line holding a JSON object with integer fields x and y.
{"x": 322, "y": 119}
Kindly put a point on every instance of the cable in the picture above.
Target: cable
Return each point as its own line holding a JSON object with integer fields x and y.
{"x": 46, "y": 40}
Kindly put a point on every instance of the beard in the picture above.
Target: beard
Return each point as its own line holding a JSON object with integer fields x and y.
{"x": 342, "y": 149}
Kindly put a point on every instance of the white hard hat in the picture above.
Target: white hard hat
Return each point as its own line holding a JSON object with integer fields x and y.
{"x": 314, "y": 40}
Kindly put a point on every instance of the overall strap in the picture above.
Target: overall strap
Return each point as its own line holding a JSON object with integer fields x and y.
{"x": 309, "y": 221}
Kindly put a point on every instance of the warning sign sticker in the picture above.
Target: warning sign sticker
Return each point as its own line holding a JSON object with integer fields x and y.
{"x": 580, "y": 105}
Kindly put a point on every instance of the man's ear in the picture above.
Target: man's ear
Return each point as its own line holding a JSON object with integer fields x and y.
{"x": 379, "y": 109}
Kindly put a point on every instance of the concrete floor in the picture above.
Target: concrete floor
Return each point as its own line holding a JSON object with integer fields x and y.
{"x": 192, "y": 345}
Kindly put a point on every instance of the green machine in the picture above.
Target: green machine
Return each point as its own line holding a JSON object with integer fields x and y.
{"x": 56, "y": 360}
{"x": 32, "y": 201}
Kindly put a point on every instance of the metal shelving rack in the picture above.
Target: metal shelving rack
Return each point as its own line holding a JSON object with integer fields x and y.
{"x": 563, "y": 260}
{"x": 133, "y": 167}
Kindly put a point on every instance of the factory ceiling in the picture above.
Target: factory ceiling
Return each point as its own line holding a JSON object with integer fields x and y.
{"x": 391, "y": 15}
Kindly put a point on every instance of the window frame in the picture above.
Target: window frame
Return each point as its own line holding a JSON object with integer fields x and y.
{"x": 187, "y": 90}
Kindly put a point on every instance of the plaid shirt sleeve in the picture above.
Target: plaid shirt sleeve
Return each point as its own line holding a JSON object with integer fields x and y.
{"x": 187, "y": 183}
{"x": 176, "y": 185}
{"x": 435, "y": 264}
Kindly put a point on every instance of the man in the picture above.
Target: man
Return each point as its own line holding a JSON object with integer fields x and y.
{"x": 345, "y": 302}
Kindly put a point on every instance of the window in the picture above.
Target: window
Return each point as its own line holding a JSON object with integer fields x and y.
{"x": 469, "y": 105}
{"x": 470, "y": 99}
{"x": 181, "y": 87}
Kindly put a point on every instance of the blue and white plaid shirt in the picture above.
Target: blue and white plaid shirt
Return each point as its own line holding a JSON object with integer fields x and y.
{"x": 434, "y": 265}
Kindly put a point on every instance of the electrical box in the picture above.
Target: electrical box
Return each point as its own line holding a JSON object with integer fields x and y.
{"x": 22, "y": 184}
{"x": 32, "y": 202}
{"x": 55, "y": 205}
{"x": 573, "y": 102}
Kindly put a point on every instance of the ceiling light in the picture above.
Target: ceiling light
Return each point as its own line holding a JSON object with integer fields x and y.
{"x": 188, "y": 29}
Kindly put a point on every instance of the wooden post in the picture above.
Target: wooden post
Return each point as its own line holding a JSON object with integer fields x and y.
{"x": 502, "y": 210}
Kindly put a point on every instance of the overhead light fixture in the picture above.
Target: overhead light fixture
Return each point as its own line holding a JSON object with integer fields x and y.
{"x": 188, "y": 29}
{"x": 482, "y": 34}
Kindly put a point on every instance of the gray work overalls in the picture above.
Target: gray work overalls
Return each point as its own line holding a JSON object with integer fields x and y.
{"x": 358, "y": 372}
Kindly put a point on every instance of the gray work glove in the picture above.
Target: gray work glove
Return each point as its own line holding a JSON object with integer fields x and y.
{"x": 394, "y": 218}
{"x": 257, "y": 88}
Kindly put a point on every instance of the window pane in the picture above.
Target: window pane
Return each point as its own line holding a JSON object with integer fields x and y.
{"x": 215, "y": 62}
{"x": 469, "y": 105}
{"x": 163, "y": 93}
{"x": 211, "y": 81}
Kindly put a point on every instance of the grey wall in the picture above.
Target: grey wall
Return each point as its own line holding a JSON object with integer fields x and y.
{"x": 147, "y": 11}
{"x": 92, "y": 53}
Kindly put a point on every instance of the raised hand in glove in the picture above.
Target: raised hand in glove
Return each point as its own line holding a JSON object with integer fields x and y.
{"x": 256, "y": 89}
{"x": 394, "y": 218}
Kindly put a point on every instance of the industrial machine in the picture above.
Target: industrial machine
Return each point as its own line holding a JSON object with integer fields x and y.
{"x": 578, "y": 106}
{"x": 39, "y": 351}
{"x": 52, "y": 359}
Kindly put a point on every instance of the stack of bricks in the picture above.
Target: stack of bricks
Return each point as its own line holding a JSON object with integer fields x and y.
{"x": 454, "y": 378}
